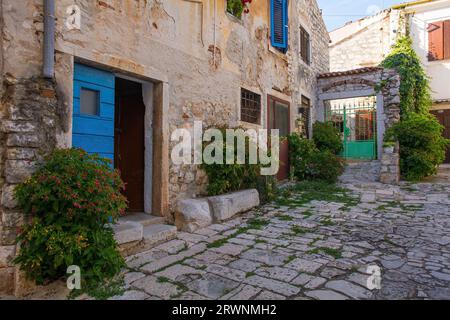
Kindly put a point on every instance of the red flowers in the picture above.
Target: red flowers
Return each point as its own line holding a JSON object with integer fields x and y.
{"x": 246, "y": 3}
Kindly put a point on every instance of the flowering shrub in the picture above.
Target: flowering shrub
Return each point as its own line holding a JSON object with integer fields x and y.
{"x": 71, "y": 199}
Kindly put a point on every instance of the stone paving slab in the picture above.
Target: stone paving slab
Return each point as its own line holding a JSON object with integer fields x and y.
{"x": 392, "y": 244}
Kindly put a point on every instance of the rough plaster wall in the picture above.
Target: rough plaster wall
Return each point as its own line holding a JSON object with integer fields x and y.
{"x": 366, "y": 48}
{"x": 175, "y": 39}
{"x": 310, "y": 17}
{"x": 172, "y": 41}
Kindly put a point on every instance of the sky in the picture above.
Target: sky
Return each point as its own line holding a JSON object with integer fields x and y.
{"x": 337, "y": 12}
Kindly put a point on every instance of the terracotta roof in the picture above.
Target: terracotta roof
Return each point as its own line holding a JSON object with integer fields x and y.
{"x": 348, "y": 72}
{"x": 441, "y": 101}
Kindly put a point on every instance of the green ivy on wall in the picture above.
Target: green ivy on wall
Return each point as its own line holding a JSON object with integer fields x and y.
{"x": 422, "y": 145}
{"x": 415, "y": 92}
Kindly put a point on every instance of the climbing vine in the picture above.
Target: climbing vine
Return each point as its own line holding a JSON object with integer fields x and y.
{"x": 415, "y": 92}
{"x": 422, "y": 146}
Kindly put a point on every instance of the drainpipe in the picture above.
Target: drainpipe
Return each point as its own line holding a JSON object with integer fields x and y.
{"x": 49, "y": 39}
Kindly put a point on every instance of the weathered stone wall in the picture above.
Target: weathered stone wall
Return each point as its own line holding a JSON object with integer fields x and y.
{"x": 364, "y": 43}
{"x": 201, "y": 56}
{"x": 30, "y": 118}
{"x": 379, "y": 82}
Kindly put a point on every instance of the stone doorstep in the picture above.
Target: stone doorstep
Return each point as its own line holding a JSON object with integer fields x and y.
{"x": 193, "y": 214}
{"x": 140, "y": 232}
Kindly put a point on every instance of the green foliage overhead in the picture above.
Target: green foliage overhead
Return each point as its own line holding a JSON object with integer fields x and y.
{"x": 415, "y": 88}
{"x": 71, "y": 200}
{"x": 327, "y": 137}
{"x": 422, "y": 145}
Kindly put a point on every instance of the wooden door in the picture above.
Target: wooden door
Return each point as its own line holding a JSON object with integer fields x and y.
{"x": 130, "y": 141}
{"x": 93, "y": 111}
{"x": 444, "y": 118}
{"x": 279, "y": 118}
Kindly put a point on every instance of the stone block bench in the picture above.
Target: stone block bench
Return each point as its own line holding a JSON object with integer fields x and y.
{"x": 193, "y": 214}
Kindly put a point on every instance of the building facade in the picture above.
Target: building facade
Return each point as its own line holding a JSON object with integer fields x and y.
{"x": 366, "y": 42}
{"x": 128, "y": 73}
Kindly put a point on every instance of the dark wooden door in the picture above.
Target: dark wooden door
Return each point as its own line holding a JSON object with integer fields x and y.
{"x": 444, "y": 118}
{"x": 130, "y": 142}
{"x": 279, "y": 118}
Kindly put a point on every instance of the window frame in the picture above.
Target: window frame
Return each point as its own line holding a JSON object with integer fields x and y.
{"x": 443, "y": 44}
{"x": 306, "y": 107}
{"x": 308, "y": 60}
{"x": 281, "y": 46}
{"x": 244, "y": 107}
{"x": 97, "y": 102}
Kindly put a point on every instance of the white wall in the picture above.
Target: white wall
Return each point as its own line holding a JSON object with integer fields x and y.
{"x": 439, "y": 71}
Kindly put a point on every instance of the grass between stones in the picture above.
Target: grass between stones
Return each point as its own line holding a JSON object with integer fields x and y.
{"x": 181, "y": 286}
{"x": 327, "y": 222}
{"x": 399, "y": 205}
{"x": 289, "y": 259}
{"x": 252, "y": 224}
{"x": 298, "y": 230}
{"x": 307, "y": 191}
{"x": 284, "y": 218}
{"x": 335, "y": 253}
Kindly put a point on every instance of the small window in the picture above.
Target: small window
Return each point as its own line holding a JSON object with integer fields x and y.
{"x": 305, "y": 112}
{"x": 305, "y": 46}
{"x": 250, "y": 107}
{"x": 439, "y": 40}
{"x": 279, "y": 24}
{"x": 90, "y": 102}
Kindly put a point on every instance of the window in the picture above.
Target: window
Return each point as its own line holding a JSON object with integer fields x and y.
{"x": 250, "y": 107}
{"x": 89, "y": 102}
{"x": 305, "y": 112}
{"x": 305, "y": 46}
{"x": 439, "y": 40}
{"x": 279, "y": 24}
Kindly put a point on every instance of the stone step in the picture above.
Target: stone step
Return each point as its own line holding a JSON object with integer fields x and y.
{"x": 156, "y": 234}
{"x": 128, "y": 231}
{"x": 144, "y": 219}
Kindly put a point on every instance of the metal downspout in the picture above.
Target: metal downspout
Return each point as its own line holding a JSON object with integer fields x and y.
{"x": 49, "y": 39}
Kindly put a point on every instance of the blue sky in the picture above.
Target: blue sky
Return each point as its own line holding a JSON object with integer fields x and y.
{"x": 338, "y": 12}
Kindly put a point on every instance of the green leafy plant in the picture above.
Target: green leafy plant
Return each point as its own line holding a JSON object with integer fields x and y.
{"x": 415, "y": 90}
{"x": 224, "y": 178}
{"x": 422, "y": 145}
{"x": 235, "y": 7}
{"x": 71, "y": 199}
{"x": 310, "y": 163}
{"x": 327, "y": 137}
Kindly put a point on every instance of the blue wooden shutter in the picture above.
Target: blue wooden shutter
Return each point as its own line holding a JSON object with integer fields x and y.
{"x": 93, "y": 128}
{"x": 279, "y": 22}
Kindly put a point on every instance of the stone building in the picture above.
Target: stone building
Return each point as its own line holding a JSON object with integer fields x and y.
{"x": 157, "y": 65}
{"x": 366, "y": 42}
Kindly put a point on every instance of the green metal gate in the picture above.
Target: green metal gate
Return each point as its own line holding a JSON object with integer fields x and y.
{"x": 356, "y": 120}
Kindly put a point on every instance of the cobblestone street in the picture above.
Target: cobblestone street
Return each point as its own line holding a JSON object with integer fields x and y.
{"x": 303, "y": 248}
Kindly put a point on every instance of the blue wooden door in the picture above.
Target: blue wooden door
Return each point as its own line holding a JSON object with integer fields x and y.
{"x": 93, "y": 111}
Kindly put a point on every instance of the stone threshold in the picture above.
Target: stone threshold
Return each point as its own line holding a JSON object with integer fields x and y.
{"x": 139, "y": 232}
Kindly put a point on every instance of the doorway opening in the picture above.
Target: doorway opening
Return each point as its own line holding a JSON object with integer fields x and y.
{"x": 279, "y": 118}
{"x": 356, "y": 120}
{"x": 129, "y": 141}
